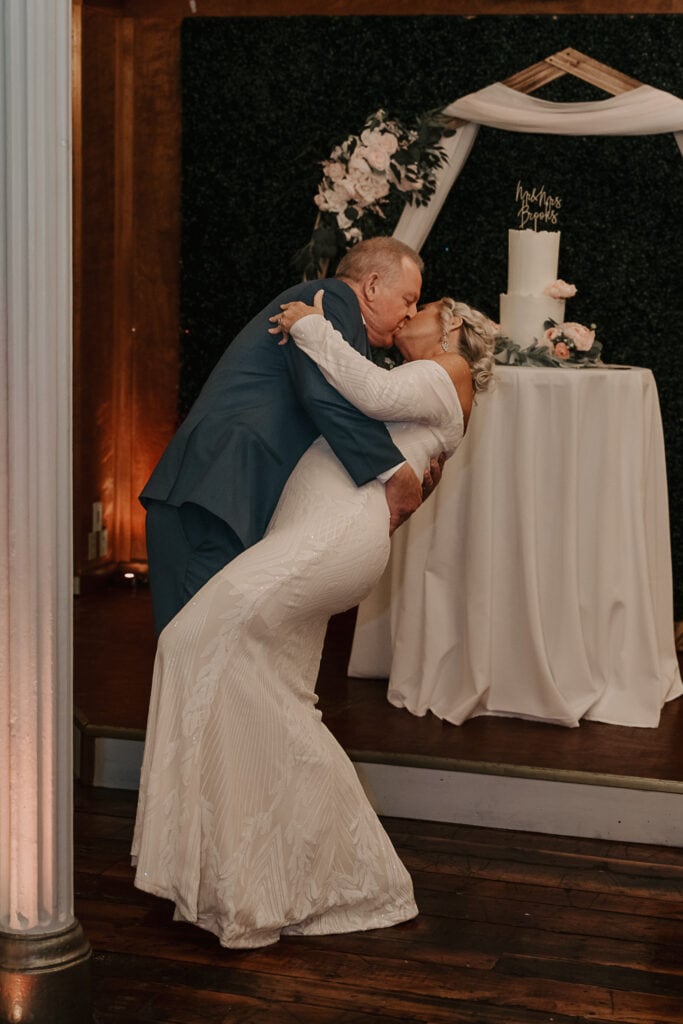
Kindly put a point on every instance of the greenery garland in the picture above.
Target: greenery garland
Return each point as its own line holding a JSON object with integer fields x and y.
{"x": 558, "y": 348}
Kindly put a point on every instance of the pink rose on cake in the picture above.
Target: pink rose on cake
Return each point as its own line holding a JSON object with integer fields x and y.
{"x": 552, "y": 335}
{"x": 560, "y": 290}
{"x": 553, "y": 339}
{"x": 571, "y": 341}
{"x": 582, "y": 337}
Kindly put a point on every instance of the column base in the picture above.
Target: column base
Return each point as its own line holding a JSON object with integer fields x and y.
{"x": 45, "y": 979}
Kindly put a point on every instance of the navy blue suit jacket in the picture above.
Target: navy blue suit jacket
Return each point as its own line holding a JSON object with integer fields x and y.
{"x": 258, "y": 412}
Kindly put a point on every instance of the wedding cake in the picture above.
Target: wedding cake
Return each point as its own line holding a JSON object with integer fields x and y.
{"x": 532, "y": 268}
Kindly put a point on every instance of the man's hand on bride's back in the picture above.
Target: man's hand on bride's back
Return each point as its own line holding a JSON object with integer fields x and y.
{"x": 432, "y": 475}
{"x": 403, "y": 492}
{"x": 402, "y": 495}
{"x": 293, "y": 311}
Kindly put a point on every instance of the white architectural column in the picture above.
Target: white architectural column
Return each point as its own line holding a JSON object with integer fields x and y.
{"x": 44, "y": 956}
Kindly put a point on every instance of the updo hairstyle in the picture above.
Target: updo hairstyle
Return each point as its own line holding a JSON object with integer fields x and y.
{"x": 476, "y": 339}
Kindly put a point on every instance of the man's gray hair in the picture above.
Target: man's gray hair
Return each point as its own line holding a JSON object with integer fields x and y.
{"x": 381, "y": 255}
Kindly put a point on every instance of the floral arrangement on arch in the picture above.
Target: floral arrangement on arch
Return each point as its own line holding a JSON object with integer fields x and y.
{"x": 387, "y": 165}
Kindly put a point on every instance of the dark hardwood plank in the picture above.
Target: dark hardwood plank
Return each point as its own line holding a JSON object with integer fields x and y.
{"x": 403, "y": 828}
{"x": 514, "y": 928}
{"x": 428, "y": 993}
{"x": 553, "y": 868}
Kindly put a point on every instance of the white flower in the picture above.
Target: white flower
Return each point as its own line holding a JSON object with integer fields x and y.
{"x": 358, "y": 165}
{"x": 326, "y": 200}
{"x": 376, "y": 156}
{"x": 389, "y": 141}
{"x": 370, "y": 188}
{"x": 344, "y": 189}
{"x": 370, "y": 137}
{"x": 333, "y": 199}
{"x": 333, "y": 170}
{"x": 582, "y": 337}
{"x": 377, "y": 139}
{"x": 360, "y": 174}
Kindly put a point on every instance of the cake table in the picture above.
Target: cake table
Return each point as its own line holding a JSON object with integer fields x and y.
{"x": 536, "y": 580}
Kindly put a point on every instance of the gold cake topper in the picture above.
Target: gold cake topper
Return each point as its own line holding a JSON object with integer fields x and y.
{"x": 536, "y": 206}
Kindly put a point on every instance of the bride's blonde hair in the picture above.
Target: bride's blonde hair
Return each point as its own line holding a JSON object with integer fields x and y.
{"x": 476, "y": 339}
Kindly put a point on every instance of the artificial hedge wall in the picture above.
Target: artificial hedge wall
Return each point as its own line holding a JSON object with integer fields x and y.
{"x": 266, "y": 99}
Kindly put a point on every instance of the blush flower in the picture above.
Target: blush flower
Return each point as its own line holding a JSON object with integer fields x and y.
{"x": 560, "y": 290}
{"x": 377, "y": 157}
{"x": 333, "y": 170}
{"x": 582, "y": 337}
{"x": 359, "y": 176}
{"x": 386, "y": 140}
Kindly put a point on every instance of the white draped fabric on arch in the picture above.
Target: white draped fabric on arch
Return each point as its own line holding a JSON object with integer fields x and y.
{"x": 642, "y": 110}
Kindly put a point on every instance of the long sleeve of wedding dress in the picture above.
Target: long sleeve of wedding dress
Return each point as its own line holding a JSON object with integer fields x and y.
{"x": 397, "y": 395}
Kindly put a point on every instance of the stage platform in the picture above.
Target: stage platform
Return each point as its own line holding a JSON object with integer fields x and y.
{"x": 414, "y": 767}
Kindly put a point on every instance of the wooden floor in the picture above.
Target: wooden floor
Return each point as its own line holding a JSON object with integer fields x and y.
{"x": 514, "y": 928}
{"x": 114, "y": 654}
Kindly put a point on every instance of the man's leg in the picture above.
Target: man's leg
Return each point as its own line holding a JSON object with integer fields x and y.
{"x": 185, "y": 547}
{"x": 212, "y": 545}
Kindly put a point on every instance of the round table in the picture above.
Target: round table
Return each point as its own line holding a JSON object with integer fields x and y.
{"x": 536, "y": 581}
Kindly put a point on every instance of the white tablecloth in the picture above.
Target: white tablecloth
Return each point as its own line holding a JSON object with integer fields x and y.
{"x": 536, "y": 581}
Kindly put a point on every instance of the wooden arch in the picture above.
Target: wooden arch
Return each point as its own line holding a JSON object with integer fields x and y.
{"x": 571, "y": 62}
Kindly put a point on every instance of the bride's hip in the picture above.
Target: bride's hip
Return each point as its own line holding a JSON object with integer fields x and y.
{"x": 320, "y": 484}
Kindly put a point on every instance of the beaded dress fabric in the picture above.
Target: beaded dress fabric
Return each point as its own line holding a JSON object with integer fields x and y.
{"x": 251, "y": 818}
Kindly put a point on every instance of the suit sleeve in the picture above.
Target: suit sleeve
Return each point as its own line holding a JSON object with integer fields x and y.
{"x": 362, "y": 445}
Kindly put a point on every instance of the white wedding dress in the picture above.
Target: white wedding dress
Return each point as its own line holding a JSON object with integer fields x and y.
{"x": 251, "y": 818}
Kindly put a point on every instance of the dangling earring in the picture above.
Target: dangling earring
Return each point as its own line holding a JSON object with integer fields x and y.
{"x": 447, "y": 330}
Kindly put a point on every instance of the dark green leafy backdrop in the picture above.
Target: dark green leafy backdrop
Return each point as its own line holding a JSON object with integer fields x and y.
{"x": 266, "y": 99}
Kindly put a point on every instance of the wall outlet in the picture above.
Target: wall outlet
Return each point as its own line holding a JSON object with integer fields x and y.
{"x": 104, "y": 543}
{"x": 96, "y": 516}
{"x": 92, "y": 546}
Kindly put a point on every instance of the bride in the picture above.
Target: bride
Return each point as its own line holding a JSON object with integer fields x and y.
{"x": 251, "y": 818}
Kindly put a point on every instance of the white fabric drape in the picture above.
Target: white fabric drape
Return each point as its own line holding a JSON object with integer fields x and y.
{"x": 536, "y": 581}
{"x": 416, "y": 221}
{"x": 642, "y": 111}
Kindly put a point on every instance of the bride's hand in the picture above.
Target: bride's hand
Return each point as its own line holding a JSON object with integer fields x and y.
{"x": 293, "y": 311}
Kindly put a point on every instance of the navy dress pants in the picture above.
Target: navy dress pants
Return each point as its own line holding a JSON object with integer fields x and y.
{"x": 186, "y": 546}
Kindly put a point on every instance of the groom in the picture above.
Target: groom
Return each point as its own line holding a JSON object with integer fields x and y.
{"x": 216, "y": 485}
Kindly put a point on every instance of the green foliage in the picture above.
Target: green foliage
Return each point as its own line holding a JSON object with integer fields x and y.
{"x": 509, "y": 353}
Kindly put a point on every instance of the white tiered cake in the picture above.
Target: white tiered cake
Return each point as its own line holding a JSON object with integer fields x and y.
{"x": 533, "y": 257}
